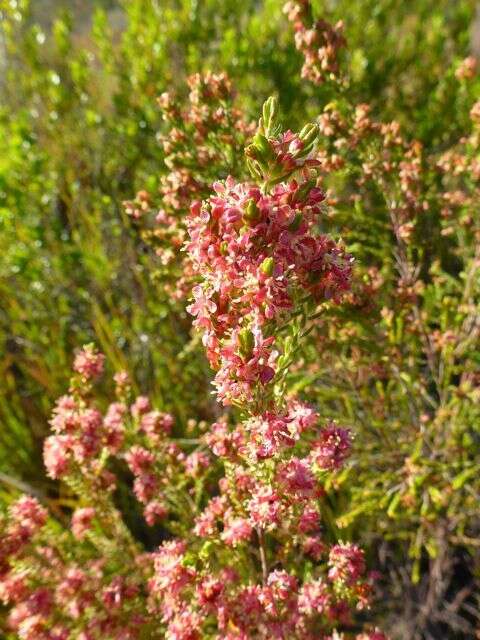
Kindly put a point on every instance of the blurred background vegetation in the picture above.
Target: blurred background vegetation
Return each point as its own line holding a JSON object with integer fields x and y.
{"x": 78, "y": 126}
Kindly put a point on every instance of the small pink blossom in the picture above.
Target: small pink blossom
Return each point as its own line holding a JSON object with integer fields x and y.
{"x": 309, "y": 520}
{"x": 297, "y": 478}
{"x": 140, "y": 406}
{"x": 28, "y": 514}
{"x": 196, "y": 463}
{"x": 315, "y": 598}
{"x": 89, "y": 362}
{"x": 236, "y": 530}
{"x": 57, "y": 455}
{"x": 347, "y": 563}
{"x": 139, "y": 460}
{"x": 82, "y": 521}
{"x": 332, "y": 448}
{"x": 265, "y": 508}
{"x": 154, "y": 512}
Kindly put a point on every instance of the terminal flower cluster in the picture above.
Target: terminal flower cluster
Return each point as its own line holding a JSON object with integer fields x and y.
{"x": 319, "y": 42}
{"x": 258, "y": 251}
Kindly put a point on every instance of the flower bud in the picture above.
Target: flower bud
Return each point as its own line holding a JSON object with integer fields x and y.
{"x": 270, "y": 112}
{"x": 309, "y": 134}
{"x": 247, "y": 342}
{"x": 267, "y": 266}
{"x": 261, "y": 144}
{"x": 252, "y": 212}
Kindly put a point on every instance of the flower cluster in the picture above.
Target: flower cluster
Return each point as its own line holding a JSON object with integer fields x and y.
{"x": 259, "y": 253}
{"x": 268, "y": 511}
{"x": 199, "y": 144}
{"x": 240, "y": 507}
{"x": 188, "y": 143}
{"x": 89, "y": 363}
{"x": 90, "y": 582}
{"x": 84, "y": 439}
{"x": 50, "y": 595}
{"x": 270, "y": 504}
{"x": 317, "y": 40}
{"x": 281, "y": 607}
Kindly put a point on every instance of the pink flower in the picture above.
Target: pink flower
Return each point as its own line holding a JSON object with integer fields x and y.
{"x": 171, "y": 576}
{"x": 184, "y": 626}
{"x": 121, "y": 379}
{"x": 88, "y": 440}
{"x": 140, "y": 406}
{"x": 205, "y": 523}
{"x": 209, "y": 591}
{"x": 314, "y": 598}
{"x": 114, "y": 426}
{"x": 89, "y": 362}
{"x": 80, "y": 432}
{"x": 154, "y": 511}
{"x": 236, "y": 530}
{"x": 145, "y": 487}
{"x": 282, "y": 584}
{"x": 65, "y": 415}
{"x": 346, "y": 562}
{"x": 28, "y": 514}
{"x": 297, "y": 477}
{"x": 332, "y": 448}
{"x": 309, "y": 520}
{"x": 319, "y": 42}
{"x": 222, "y": 441}
{"x": 156, "y": 424}
{"x": 13, "y": 588}
{"x": 246, "y": 609}
{"x": 82, "y": 521}
{"x": 139, "y": 460}
{"x": 57, "y": 455}
{"x": 264, "y": 508}
{"x": 270, "y": 433}
{"x": 196, "y": 463}
{"x": 303, "y": 416}
{"x": 313, "y": 546}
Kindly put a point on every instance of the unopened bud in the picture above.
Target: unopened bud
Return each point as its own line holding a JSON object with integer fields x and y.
{"x": 267, "y": 266}
{"x": 253, "y": 166}
{"x": 309, "y": 134}
{"x": 247, "y": 342}
{"x": 270, "y": 112}
{"x": 261, "y": 143}
{"x": 251, "y": 213}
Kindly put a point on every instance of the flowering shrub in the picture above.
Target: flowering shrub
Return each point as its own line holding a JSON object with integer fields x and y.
{"x": 200, "y": 144}
{"x": 392, "y": 89}
{"x": 399, "y": 343}
{"x": 243, "y": 502}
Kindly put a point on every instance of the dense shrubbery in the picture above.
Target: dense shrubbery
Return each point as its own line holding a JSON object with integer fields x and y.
{"x": 250, "y": 515}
